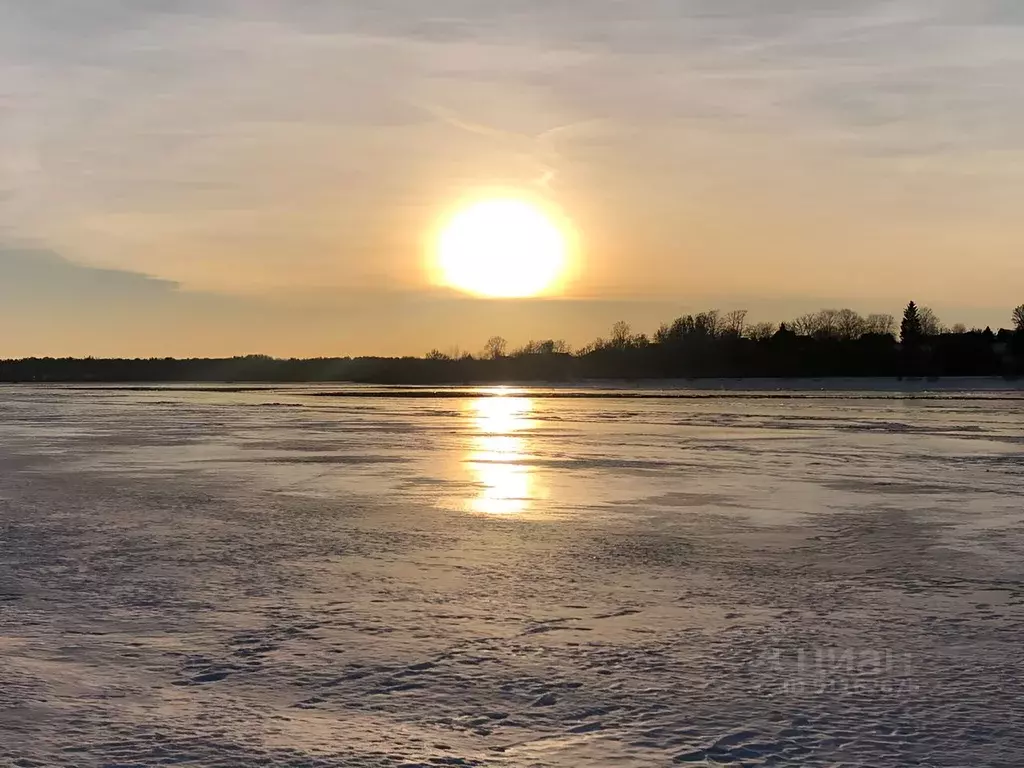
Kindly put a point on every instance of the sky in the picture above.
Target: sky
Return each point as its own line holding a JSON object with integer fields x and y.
{"x": 217, "y": 177}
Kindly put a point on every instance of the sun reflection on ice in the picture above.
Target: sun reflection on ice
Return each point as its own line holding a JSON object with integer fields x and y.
{"x": 498, "y": 454}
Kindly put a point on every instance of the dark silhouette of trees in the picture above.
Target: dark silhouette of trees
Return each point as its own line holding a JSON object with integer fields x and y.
{"x": 824, "y": 324}
{"x": 734, "y": 323}
{"x": 930, "y": 323}
{"x": 884, "y": 325}
{"x": 911, "y": 334}
{"x": 842, "y": 324}
{"x": 622, "y": 335}
{"x": 1018, "y": 319}
{"x": 831, "y": 342}
{"x": 543, "y": 347}
{"x": 910, "y": 328}
{"x": 495, "y": 348}
{"x": 761, "y": 331}
{"x": 850, "y": 325}
{"x": 806, "y": 325}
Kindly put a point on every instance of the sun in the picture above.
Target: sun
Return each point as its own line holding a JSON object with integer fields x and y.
{"x": 501, "y": 248}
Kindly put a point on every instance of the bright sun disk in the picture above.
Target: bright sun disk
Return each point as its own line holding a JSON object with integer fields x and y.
{"x": 501, "y": 248}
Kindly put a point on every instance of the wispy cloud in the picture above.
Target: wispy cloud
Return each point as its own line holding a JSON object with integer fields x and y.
{"x": 268, "y": 145}
{"x": 31, "y": 276}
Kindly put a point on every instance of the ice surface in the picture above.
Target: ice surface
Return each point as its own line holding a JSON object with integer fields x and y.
{"x": 267, "y": 576}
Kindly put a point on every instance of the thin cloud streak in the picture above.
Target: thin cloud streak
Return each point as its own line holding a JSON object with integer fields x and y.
{"x": 720, "y": 147}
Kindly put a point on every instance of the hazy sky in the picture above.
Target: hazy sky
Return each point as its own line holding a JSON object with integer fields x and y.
{"x": 218, "y": 177}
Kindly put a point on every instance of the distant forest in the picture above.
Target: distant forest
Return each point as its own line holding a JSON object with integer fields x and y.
{"x": 709, "y": 344}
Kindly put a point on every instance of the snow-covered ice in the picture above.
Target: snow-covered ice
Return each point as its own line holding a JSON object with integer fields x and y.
{"x": 269, "y": 576}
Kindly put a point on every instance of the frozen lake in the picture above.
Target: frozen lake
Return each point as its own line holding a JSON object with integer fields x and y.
{"x": 332, "y": 576}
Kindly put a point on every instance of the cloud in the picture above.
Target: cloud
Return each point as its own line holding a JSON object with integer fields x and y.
{"x": 32, "y": 277}
{"x": 266, "y": 147}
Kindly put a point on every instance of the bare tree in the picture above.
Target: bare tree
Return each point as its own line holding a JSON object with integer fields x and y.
{"x": 884, "y": 325}
{"x": 545, "y": 347}
{"x": 495, "y": 348}
{"x": 436, "y": 354}
{"x": 849, "y": 324}
{"x": 958, "y": 328}
{"x": 828, "y": 322}
{"x": 735, "y": 322}
{"x": 762, "y": 331}
{"x": 594, "y": 346}
{"x": 1018, "y": 318}
{"x": 622, "y": 334}
{"x": 805, "y": 325}
{"x": 930, "y": 323}
{"x": 708, "y": 323}
{"x": 823, "y": 324}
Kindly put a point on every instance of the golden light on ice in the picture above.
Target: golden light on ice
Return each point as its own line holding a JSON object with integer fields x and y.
{"x": 502, "y": 248}
{"x": 499, "y": 456}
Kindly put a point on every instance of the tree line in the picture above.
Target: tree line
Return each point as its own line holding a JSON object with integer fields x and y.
{"x": 830, "y": 342}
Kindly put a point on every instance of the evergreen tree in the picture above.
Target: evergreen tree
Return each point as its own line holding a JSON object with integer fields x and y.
{"x": 910, "y": 328}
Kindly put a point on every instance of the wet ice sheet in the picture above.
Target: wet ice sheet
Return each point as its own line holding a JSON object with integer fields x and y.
{"x": 224, "y": 578}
